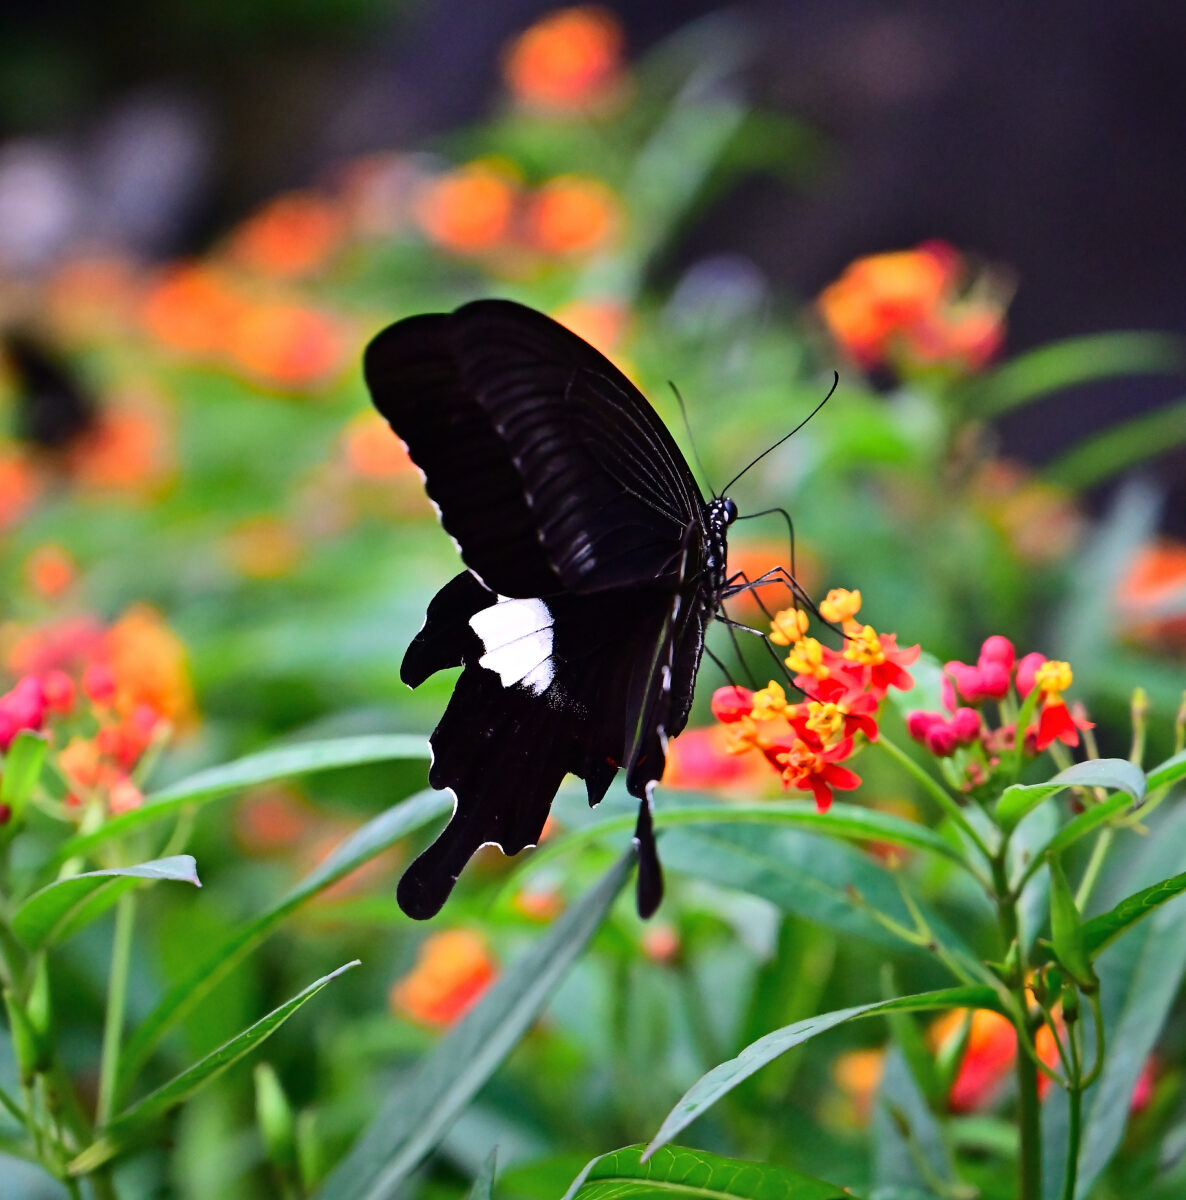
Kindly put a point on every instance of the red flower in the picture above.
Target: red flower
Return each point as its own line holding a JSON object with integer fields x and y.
{"x": 818, "y": 771}
{"x": 731, "y": 704}
{"x": 1057, "y": 723}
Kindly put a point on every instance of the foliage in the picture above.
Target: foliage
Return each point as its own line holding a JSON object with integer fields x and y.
{"x": 209, "y": 580}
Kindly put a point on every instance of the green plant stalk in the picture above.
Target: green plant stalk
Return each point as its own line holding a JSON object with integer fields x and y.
{"x": 1075, "y": 1105}
{"x": 1029, "y": 1165}
{"x": 938, "y": 793}
{"x": 117, "y": 990}
{"x": 1095, "y": 863}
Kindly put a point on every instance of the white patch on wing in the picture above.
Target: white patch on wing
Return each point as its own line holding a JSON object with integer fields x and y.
{"x": 517, "y": 639}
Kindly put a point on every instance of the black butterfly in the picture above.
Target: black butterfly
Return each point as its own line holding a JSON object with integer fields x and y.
{"x": 54, "y": 408}
{"x": 594, "y": 566}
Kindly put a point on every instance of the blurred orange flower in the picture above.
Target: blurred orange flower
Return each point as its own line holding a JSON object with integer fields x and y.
{"x": 273, "y": 818}
{"x": 263, "y": 547}
{"x": 858, "y": 1073}
{"x": 468, "y": 209}
{"x": 1151, "y": 598}
{"x": 372, "y": 450}
{"x": 568, "y": 60}
{"x": 291, "y": 236}
{"x": 754, "y": 558}
{"x": 1040, "y": 521}
{"x": 452, "y": 971}
{"x": 191, "y": 307}
{"x": 702, "y": 759}
{"x": 92, "y": 296}
{"x": 287, "y": 345}
{"x": 19, "y": 485}
{"x": 50, "y": 570}
{"x": 148, "y": 663}
{"x": 129, "y": 449}
{"x": 916, "y": 308}
{"x": 602, "y": 323}
{"x": 988, "y": 1058}
{"x": 571, "y": 214}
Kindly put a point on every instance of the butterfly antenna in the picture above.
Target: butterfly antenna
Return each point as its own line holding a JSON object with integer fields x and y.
{"x": 683, "y": 412}
{"x": 831, "y": 390}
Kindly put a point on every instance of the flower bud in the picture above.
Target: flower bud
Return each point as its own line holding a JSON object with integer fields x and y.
{"x": 918, "y": 724}
{"x": 965, "y": 725}
{"x": 999, "y": 650}
{"x": 1026, "y": 670}
{"x": 941, "y": 741}
{"x": 732, "y": 703}
{"x": 994, "y": 680}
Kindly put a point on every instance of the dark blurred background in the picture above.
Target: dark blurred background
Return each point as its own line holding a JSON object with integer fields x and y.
{"x": 1050, "y": 137}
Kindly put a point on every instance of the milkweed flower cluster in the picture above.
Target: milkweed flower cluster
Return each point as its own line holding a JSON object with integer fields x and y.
{"x": 807, "y": 741}
{"x": 1030, "y": 688}
{"x": 103, "y": 696}
{"x": 916, "y": 308}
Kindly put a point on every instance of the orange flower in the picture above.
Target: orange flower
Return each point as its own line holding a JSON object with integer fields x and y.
{"x": 19, "y": 486}
{"x": 601, "y": 323}
{"x": 1040, "y": 521}
{"x": 858, "y": 1073}
{"x": 372, "y": 450}
{"x": 91, "y": 297}
{"x": 273, "y": 818}
{"x": 50, "y": 570}
{"x": 452, "y": 971}
{"x": 539, "y": 903}
{"x": 754, "y": 558}
{"x": 571, "y": 214}
{"x": 568, "y": 60}
{"x": 988, "y": 1057}
{"x": 293, "y": 235}
{"x": 148, "y": 665}
{"x": 910, "y": 307}
{"x": 702, "y": 759}
{"x": 1151, "y": 598}
{"x": 191, "y": 308}
{"x": 287, "y": 345}
{"x": 263, "y": 547}
{"x": 128, "y": 450}
{"x": 469, "y": 209}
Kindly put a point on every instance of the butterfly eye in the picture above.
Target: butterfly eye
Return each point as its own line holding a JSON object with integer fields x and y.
{"x": 729, "y": 509}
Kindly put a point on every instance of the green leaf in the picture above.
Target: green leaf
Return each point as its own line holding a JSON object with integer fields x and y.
{"x": 848, "y": 822}
{"x": 54, "y": 913}
{"x": 282, "y": 762}
{"x": 909, "y": 1149}
{"x": 1168, "y": 772}
{"x": 212, "y": 967}
{"x": 1140, "y": 977}
{"x": 1066, "y": 927}
{"x": 679, "y": 1171}
{"x": 421, "y": 1108}
{"x": 1107, "y": 927}
{"x": 483, "y": 1188}
{"x": 1119, "y": 448}
{"x": 22, "y": 767}
{"x": 1069, "y": 363}
{"x": 823, "y": 881}
{"x": 708, "y": 1089}
{"x": 125, "y": 1128}
{"x": 1114, "y": 774}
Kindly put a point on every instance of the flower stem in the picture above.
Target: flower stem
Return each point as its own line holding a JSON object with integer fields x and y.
{"x": 117, "y": 988}
{"x": 937, "y": 792}
{"x": 1075, "y": 1125}
{"x": 1029, "y": 1165}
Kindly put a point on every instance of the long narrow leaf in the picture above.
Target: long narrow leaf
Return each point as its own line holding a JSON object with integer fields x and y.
{"x": 124, "y": 1130}
{"x": 1123, "y": 446}
{"x": 1071, "y": 362}
{"x": 1168, "y": 772}
{"x": 1107, "y": 927}
{"x": 848, "y": 822}
{"x": 22, "y": 766}
{"x": 54, "y": 913}
{"x": 708, "y": 1089}
{"x": 678, "y": 1171}
{"x": 417, "y": 1113}
{"x": 211, "y": 968}
{"x": 282, "y": 762}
